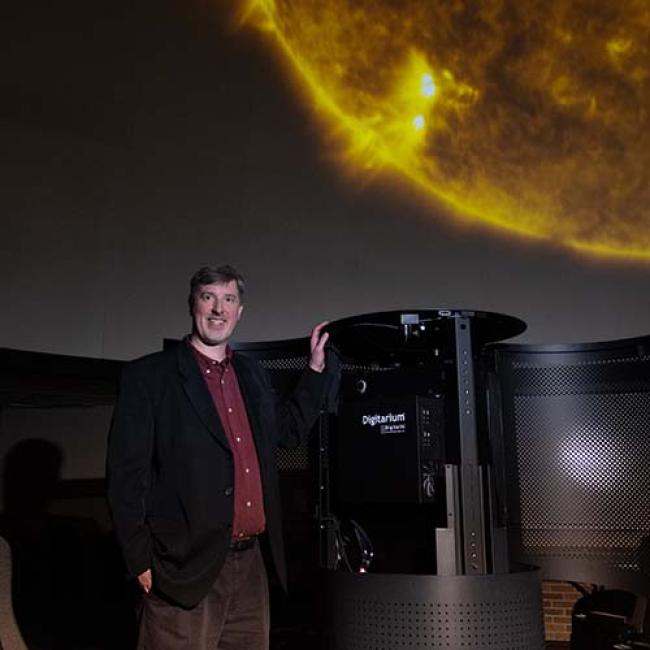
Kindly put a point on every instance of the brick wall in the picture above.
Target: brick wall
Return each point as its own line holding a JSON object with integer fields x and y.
{"x": 559, "y": 599}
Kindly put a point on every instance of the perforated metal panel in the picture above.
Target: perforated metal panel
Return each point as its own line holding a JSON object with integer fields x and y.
{"x": 577, "y": 431}
{"x": 597, "y": 375}
{"x": 292, "y": 460}
{"x": 283, "y": 361}
{"x": 284, "y": 372}
{"x": 599, "y": 466}
{"x": 387, "y": 612}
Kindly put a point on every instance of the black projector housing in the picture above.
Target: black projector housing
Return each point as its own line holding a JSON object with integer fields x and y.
{"x": 391, "y": 450}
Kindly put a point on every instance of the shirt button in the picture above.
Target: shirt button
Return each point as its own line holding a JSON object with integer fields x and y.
{"x": 247, "y": 471}
{"x": 238, "y": 439}
{"x": 222, "y": 382}
{"x": 229, "y": 410}
{"x": 228, "y": 491}
{"x": 248, "y": 504}
{"x": 207, "y": 371}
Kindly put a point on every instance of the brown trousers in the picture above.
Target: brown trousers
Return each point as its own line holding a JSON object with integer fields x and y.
{"x": 233, "y": 616}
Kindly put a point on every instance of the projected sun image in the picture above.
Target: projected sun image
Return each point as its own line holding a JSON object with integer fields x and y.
{"x": 530, "y": 116}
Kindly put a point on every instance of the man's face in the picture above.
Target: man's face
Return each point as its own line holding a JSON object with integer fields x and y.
{"x": 216, "y": 311}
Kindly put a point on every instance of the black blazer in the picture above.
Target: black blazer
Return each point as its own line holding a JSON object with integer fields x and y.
{"x": 170, "y": 468}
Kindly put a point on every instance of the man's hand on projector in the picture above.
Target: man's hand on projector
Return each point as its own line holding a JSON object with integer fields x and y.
{"x": 317, "y": 343}
{"x": 145, "y": 581}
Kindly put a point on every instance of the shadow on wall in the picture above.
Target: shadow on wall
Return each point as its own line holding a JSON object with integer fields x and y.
{"x": 68, "y": 586}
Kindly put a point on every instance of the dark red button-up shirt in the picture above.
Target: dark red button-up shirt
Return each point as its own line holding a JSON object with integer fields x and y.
{"x": 248, "y": 508}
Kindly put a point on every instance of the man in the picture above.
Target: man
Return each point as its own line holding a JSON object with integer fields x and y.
{"x": 192, "y": 482}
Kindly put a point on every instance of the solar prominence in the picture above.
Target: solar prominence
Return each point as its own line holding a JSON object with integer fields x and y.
{"x": 529, "y": 116}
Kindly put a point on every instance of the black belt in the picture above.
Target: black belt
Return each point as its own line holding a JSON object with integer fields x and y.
{"x": 243, "y": 543}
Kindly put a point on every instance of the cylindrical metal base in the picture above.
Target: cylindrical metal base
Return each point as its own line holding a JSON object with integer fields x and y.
{"x": 417, "y": 612}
